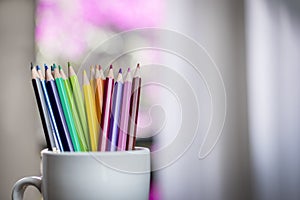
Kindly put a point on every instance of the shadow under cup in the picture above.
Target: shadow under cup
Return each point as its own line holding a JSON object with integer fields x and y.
{"x": 96, "y": 175}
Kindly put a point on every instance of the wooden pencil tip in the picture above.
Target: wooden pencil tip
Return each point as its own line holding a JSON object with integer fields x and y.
{"x": 46, "y": 67}
{"x": 85, "y": 79}
{"x": 69, "y": 64}
{"x": 59, "y": 67}
{"x": 128, "y": 70}
{"x": 120, "y": 70}
{"x": 110, "y": 67}
{"x": 38, "y": 67}
{"x": 31, "y": 65}
{"x": 138, "y": 65}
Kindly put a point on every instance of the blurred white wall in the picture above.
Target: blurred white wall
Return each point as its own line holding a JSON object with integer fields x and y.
{"x": 273, "y": 46}
{"x": 20, "y": 127}
{"x": 225, "y": 174}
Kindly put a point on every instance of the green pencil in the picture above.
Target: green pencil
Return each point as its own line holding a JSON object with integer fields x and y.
{"x": 79, "y": 102}
{"x": 66, "y": 108}
{"x": 81, "y": 136}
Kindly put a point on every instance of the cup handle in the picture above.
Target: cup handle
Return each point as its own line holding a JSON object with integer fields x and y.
{"x": 21, "y": 185}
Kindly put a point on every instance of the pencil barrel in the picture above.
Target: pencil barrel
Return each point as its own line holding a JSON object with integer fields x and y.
{"x": 124, "y": 118}
{"x": 80, "y": 107}
{"x": 106, "y": 110}
{"x": 133, "y": 113}
{"x": 91, "y": 115}
{"x": 56, "y": 135}
{"x": 67, "y": 113}
{"x": 40, "y": 100}
{"x": 115, "y": 117}
{"x": 77, "y": 123}
{"x": 59, "y": 116}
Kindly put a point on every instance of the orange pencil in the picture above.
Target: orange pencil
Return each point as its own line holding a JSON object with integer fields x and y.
{"x": 99, "y": 76}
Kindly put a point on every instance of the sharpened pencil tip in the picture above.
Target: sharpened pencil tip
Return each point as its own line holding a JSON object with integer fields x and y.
{"x": 69, "y": 64}
{"x": 128, "y": 70}
{"x": 110, "y": 67}
{"x": 46, "y": 67}
{"x": 85, "y": 80}
{"x": 59, "y": 67}
{"x": 138, "y": 65}
{"x": 38, "y": 67}
{"x": 31, "y": 65}
{"x": 120, "y": 70}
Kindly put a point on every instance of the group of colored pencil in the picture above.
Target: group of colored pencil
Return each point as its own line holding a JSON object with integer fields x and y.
{"x": 104, "y": 118}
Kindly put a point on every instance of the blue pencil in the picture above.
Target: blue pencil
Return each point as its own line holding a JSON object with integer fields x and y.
{"x": 57, "y": 139}
{"x": 41, "y": 103}
{"x": 115, "y": 113}
{"x": 58, "y": 112}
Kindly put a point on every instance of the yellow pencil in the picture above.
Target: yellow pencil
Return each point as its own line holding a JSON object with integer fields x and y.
{"x": 91, "y": 112}
{"x": 92, "y": 78}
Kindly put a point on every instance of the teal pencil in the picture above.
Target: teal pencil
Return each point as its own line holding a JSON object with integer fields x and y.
{"x": 75, "y": 114}
{"x": 66, "y": 109}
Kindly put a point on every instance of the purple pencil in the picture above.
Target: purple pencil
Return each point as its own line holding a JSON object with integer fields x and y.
{"x": 58, "y": 112}
{"x": 124, "y": 118}
{"x": 115, "y": 113}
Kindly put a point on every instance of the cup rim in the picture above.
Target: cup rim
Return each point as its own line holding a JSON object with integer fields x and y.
{"x": 137, "y": 150}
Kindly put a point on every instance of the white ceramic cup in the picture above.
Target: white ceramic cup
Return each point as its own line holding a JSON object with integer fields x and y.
{"x": 91, "y": 175}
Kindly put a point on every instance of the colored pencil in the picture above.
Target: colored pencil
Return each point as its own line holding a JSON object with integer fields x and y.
{"x": 105, "y": 118}
{"x": 52, "y": 70}
{"x": 66, "y": 109}
{"x": 92, "y": 78}
{"x": 40, "y": 100}
{"x": 99, "y": 91}
{"x": 79, "y": 103}
{"x": 78, "y": 126}
{"x": 57, "y": 138}
{"x": 90, "y": 111}
{"x": 124, "y": 118}
{"x": 58, "y": 112}
{"x": 115, "y": 113}
{"x": 134, "y": 109}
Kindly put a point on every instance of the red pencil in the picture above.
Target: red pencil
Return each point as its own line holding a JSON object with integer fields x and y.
{"x": 106, "y": 109}
{"x": 134, "y": 109}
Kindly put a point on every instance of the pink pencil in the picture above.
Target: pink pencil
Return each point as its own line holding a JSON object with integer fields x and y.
{"x": 124, "y": 118}
{"x": 106, "y": 109}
